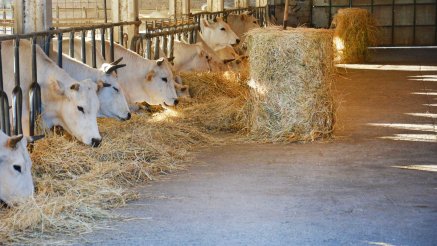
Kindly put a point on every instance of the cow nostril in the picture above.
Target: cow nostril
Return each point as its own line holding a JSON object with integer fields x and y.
{"x": 238, "y": 41}
{"x": 128, "y": 116}
{"x": 95, "y": 142}
{"x": 176, "y": 101}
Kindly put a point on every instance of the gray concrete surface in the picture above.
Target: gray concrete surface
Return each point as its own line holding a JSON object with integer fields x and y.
{"x": 348, "y": 191}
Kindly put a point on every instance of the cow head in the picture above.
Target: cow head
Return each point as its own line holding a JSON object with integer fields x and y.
{"x": 160, "y": 85}
{"x": 77, "y": 109}
{"x": 218, "y": 33}
{"x": 112, "y": 100}
{"x": 16, "y": 182}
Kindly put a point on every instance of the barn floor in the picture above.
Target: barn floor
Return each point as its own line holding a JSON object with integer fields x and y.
{"x": 375, "y": 184}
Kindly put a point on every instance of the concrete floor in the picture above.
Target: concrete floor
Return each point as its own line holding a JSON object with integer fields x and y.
{"x": 349, "y": 191}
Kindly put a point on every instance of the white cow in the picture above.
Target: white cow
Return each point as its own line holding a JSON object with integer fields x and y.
{"x": 190, "y": 57}
{"x": 16, "y": 182}
{"x": 217, "y": 34}
{"x": 242, "y": 23}
{"x": 142, "y": 80}
{"x": 228, "y": 53}
{"x": 112, "y": 100}
{"x": 66, "y": 102}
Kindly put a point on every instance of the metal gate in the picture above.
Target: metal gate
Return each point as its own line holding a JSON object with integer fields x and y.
{"x": 402, "y": 22}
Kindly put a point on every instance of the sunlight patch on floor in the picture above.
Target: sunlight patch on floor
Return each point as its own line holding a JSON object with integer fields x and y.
{"x": 388, "y": 67}
{"x": 429, "y": 168}
{"x": 428, "y": 115}
{"x": 413, "y": 127}
{"x": 430, "y": 138}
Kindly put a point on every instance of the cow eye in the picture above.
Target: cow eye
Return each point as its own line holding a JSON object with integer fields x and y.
{"x": 223, "y": 29}
{"x": 17, "y": 168}
{"x": 164, "y": 79}
{"x": 80, "y": 109}
{"x": 115, "y": 89}
{"x": 254, "y": 22}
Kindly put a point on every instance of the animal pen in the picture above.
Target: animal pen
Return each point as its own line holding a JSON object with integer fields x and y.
{"x": 281, "y": 94}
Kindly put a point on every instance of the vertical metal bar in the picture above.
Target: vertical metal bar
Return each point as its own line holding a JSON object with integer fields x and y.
{"x": 34, "y": 92}
{"x": 414, "y": 22}
{"x": 4, "y": 103}
{"x": 148, "y": 47}
{"x": 105, "y": 9}
{"x": 93, "y": 48}
{"x": 371, "y": 6}
{"x": 47, "y": 44}
{"x": 17, "y": 94}
{"x": 330, "y": 13}
{"x": 83, "y": 48}
{"x": 103, "y": 42}
{"x": 71, "y": 44}
{"x": 120, "y": 35}
{"x": 111, "y": 44}
{"x": 164, "y": 43}
{"x": 435, "y": 26}
{"x": 393, "y": 22}
{"x": 156, "y": 50}
{"x": 60, "y": 49}
{"x": 171, "y": 45}
{"x": 350, "y": 3}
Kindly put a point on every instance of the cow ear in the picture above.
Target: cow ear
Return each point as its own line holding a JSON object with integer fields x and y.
{"x": 75, "y": 87}
{"x": 100, "y": 85}
{"x": 13, "y": 141}
{"x": 184, "y": 88}
{"x": 150, "y": 75}
{"x": 57, "y": 87}
{"x": 160, "y": 61}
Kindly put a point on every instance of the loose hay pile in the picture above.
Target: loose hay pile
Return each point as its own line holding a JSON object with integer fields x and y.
{"x": 355, "y": 30}
{"x": 75, "y": 184}
{"x": 219, "y": 101}
{"x": 291, "y": 74}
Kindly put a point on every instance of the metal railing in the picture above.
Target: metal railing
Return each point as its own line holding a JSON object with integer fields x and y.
{"x": 162, "y": 33}
{"x": 35, "y": 90}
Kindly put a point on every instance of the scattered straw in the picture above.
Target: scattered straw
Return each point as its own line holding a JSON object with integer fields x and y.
{"x": 355, "y": 30}
{"x": 291, "y": 75}
{"x": 76, "y": 184}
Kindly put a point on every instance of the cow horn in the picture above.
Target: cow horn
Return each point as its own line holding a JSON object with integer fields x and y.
{"x": 33, "y": 139}
{"x": 112, "y": 68}
{"x": 12, "y": 141}
{"x": 228, "y": 60}
{"x": 160, "y": 61}
{"x": 116, "y": 61}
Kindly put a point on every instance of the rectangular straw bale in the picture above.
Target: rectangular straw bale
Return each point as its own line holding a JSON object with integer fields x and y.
{"x": 355, "y": 30}
{"x": 291, "y": 73}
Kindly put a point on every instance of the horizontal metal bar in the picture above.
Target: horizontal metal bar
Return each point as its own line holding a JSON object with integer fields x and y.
{"x": 57, "y": 31}
{"x": 370, "y": 5}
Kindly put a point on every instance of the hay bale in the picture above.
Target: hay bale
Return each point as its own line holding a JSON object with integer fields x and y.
{"x": 291, "y": 74}
{"x": 355, "y": 30}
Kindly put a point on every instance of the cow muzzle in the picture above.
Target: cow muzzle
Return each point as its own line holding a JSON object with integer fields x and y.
{"x": 95, "y": 142}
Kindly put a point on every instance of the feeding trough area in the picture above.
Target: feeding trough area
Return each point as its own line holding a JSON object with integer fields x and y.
{"x": 120, "y": 102}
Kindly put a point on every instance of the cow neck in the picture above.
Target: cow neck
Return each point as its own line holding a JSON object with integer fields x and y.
{"x": 80, "y": 71}
{"x": 134, "y": 74}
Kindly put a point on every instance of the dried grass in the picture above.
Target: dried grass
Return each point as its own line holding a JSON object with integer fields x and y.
{"x": 287, "y": 99}
{"x": 76, "y": 184}
{"x": 291, "y": 74}
{"x": 355, "y": 30}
